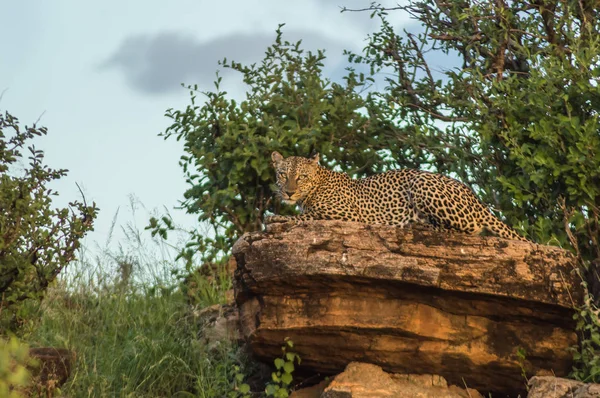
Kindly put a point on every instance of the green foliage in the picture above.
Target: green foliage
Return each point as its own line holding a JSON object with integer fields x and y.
{"x": 132, "y": 328}
{"x": 282, "y": 376}
{"x": 209, "y": 284}
{"x": 14, "y": 375}
{"x": 586, "y": 355}
{"x": 240, "y": 389}
{"x": 518, "y": 121}
{"x": 36, "y": 241}
{"x": 289, "y": 107}
{"x": 522, "y": 359}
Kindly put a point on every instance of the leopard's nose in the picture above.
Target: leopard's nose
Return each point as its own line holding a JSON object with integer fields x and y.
{"x": 289, "y": 193}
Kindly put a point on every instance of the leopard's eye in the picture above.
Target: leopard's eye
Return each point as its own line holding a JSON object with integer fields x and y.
{"x": 302, "y": 177}
{"x": 282, "y": 174}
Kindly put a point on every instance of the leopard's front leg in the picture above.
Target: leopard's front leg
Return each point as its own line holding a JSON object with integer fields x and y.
{"x": 281, "y": 219}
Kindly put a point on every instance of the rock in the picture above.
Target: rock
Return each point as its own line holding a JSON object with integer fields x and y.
{"x": 53, "y": 369}
{"x": 408, "y": 300}
{"x": 556, "y": 387}
{"x": 361, "y": 380}
{"x": 218, "y": 323}
{"x": 311, "y": 392}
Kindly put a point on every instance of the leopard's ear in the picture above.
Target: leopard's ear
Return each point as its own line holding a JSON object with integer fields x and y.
{"x": 315, "y": 157}
{"x": 276, "y": 158}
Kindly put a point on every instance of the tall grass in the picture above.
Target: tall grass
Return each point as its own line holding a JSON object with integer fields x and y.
{"x": 123, "y": 313}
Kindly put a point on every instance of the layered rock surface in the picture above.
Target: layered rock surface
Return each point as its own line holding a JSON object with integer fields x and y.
{"x": 555, "y": 387}
{"x": 409, "y": 300}
{"x": 363, "y": 380}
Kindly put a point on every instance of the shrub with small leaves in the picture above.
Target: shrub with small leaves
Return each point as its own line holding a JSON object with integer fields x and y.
{"x": 290, "y": 107}
{"x": 586, "y": 355}
{"x": 282, "y": 376}
{"x": 240, "y": 389}
{"x": 36, "y": 241}
{"x": 14, "y": 376}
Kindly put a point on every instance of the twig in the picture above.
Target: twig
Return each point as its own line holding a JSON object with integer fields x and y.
{"x": 2, "y": 93}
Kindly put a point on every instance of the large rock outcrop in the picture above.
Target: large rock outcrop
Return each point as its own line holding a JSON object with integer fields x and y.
{"x": 409, "y": 300}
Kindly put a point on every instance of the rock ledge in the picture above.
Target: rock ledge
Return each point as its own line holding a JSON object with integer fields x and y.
{"x": 408, "y": 300}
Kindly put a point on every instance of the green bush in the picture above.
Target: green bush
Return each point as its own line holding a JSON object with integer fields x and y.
{"x": 518, "y": 123}
{"x": 14, "y": 375}
{"x": 36, "y": 241}
{"x": 131, "y": 326}
{"x": 518, "y": 120}
{"x": 289, "y": 107}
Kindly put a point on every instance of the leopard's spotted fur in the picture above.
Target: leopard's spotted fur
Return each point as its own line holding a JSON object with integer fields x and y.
{"x": 397, "y": 197}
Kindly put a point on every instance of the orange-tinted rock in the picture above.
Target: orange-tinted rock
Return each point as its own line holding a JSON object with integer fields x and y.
{"x": 361, "y": 380}
{"x": 312, "y": 391}
{"x": 556, "y": 387}
{"x": 408, "y": 300}
{"x": 53, "y": 368}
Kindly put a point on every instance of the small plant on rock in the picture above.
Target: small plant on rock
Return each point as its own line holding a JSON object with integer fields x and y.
{"x": 586, "y": 355}
{"x": 282, "y": 376}
{"x": 240, "y": 389}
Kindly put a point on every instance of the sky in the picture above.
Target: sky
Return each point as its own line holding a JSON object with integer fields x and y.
{"x": 100, "y": 76}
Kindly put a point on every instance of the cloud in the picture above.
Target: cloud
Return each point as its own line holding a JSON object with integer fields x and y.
{"x": 158, "y": 64}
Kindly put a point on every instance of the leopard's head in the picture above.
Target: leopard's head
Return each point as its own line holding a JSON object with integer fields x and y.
{"x": 296, "y": 176}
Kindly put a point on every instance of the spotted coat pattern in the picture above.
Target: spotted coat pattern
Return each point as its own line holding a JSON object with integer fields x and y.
{"x": 396, "y": 197}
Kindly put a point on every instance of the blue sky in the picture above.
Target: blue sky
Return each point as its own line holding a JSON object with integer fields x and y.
{"x": 102, "y": 74}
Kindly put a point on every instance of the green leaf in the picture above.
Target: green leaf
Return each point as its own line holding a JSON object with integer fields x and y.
{"x": 279, "y": 363}
{"x": 288, "y": 367}
{"x": 286, "y": 378}
{"x": 270, "y": 390}
{"x": 244, "y": 388}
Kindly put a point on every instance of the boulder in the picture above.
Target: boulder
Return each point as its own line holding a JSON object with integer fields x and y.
{"x": 52, "y": 371}
{"x": 409, "y": 300}
{"x": 218, "y": 323}
{"x": 556, "y": 387}
{"x": 361, "y": 380}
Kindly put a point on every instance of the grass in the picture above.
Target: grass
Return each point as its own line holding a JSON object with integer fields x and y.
{"x": 132, "y": 327}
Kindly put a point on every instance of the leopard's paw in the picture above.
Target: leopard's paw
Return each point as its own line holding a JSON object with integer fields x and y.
{"x": 277, "y": 219}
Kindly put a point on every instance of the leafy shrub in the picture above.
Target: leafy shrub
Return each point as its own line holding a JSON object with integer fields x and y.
{"x": 133, "y": 330}
{"x": 36, "y": 241}
{"x": 586, "y": 355}
{"x": 14, "y": 375}
{"x": 289, "y": 107}
{"x": 517, "y": 119}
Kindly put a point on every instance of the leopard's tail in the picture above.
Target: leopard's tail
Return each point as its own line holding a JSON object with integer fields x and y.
{"x": 493, "y": 224}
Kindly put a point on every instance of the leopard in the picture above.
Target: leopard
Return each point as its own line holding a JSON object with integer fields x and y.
{"x": 395, "y": 197}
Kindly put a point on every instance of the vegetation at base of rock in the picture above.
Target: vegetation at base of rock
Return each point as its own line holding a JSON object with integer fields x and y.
{"x": 208, "y": 284}
{"x": 131, "y": 327}
{"x": 586, "y": 354}
{"x": 36, "y": 241}
{"x": 240, "y": 389}
{"x": 14, "y": 375}
{"x": 282, "y": 376}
